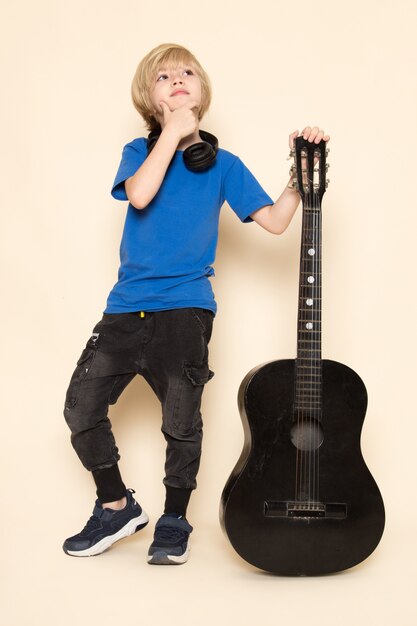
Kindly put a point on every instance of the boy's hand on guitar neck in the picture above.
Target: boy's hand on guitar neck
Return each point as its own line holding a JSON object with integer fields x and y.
{"x": 312, "y": 134}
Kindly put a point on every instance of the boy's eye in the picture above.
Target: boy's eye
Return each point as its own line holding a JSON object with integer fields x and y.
{"x": 188, "y": 72}
{"x": 162, "y": 77}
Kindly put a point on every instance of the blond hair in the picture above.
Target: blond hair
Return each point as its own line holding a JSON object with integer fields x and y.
{"x": 165, "y": 56}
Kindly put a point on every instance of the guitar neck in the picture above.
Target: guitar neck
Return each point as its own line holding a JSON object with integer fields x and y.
{"x": 308, "y": 364}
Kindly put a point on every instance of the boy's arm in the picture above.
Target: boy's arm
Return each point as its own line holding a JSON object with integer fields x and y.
{"x": 275, "y": 218}
{"x": 143, "y": 186}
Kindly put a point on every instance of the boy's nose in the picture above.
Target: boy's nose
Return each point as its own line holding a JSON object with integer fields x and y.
{"x": 177, "y": 80}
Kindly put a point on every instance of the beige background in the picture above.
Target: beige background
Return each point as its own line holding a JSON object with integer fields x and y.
{"x": 66, "y": 114}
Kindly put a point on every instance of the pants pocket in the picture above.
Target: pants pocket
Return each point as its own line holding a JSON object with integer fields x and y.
{"x": 204, "y": 320}
{"x": 84, "y": 364}
{"x": 198, "y": 374}
{"x": 181, "y": 409}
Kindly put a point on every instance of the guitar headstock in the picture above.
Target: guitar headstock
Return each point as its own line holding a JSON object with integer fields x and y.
{"x": 310, "y": 170}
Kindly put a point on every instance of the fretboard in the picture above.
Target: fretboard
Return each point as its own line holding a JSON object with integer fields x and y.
{"x": 308, "y": 385}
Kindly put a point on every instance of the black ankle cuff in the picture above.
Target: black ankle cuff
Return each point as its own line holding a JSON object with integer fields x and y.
{"x": 110, "y": 486}
{"x": 176, "y": 500}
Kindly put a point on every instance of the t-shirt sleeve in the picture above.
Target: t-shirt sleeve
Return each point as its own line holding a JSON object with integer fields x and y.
{"x": 243, "y": 192}
{"x": 134, "y": 154}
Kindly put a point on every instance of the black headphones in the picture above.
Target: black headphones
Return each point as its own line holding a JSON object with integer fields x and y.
{"x": 198, "y": 157}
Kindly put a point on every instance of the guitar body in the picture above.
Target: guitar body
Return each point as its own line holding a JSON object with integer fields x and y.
{"x": 258, "y": 513}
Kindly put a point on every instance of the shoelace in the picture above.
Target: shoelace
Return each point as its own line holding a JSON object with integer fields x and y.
{"x": 92, "y": 524}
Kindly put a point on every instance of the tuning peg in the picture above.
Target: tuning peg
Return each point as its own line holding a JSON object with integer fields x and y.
{"x": 291, "y": 155}
{"x": 327, "y": 182}
{"x": 327, "y": 151}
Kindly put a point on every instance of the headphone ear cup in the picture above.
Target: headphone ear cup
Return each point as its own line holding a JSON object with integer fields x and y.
{"x": 201, "y": 156}
{"x": 198, "y": 157}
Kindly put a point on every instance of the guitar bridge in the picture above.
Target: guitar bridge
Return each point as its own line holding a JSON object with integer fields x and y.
{"x": 288, "y": 508}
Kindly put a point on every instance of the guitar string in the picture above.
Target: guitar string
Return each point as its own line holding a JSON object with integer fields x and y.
{"x": 297, "y": 390}
{"x": 318, "y": 322}
{"x": 315, "y": 334}
{"x": 308, "y": 332}
{"x": 312, "y": 333}
{"x": 310, "y": 380}
{"x": 306, "y": 403}
{"x": 303, "y": 379}
{"x": 319, "y": 262}
{"x": 301, "y": 425}
{"x": 317, "y": 326}
{"x": 299, "y": 451}
{"x": 311, "y": 337}
{"x": 304, "y": 425}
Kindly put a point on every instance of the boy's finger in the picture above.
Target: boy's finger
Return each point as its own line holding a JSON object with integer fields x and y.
{"x": 313, "y": 133}
{"x": 292, "y": 137}
{"x": 165, "y": 108}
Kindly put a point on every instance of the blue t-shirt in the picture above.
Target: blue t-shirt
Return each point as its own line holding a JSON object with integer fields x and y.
{"x": 168, "y": 248}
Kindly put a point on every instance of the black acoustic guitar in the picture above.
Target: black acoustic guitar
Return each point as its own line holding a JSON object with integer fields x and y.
{"x": 301, "y": 500}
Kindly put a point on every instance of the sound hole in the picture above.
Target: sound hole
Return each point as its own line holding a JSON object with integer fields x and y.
{"x": 307, "y": 435}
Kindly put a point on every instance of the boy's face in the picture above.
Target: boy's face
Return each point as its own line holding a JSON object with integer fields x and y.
{"x": 176, "y": 86}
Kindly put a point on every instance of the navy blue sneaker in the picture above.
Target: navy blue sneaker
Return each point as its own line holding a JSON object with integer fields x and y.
{"x": 105, "y": 527}
{"x": 170, "y": 543}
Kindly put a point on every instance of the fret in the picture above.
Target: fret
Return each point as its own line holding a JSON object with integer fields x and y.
{"x": 316, "y": 299}
{"x": 316, "y": 375}
{"x": 310, "y": 350}
{"x": 318, "y": 366}
{"x": 308, "y": 398}
{"x": 307, "y": 407}
{"x": 309, "y": 340}
{"x": 307, "y": 273}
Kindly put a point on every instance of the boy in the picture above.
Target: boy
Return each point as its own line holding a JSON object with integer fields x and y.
{"x": 159, "y": 315}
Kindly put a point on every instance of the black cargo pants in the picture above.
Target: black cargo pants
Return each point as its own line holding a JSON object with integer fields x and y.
{"x": 170, "y": 350}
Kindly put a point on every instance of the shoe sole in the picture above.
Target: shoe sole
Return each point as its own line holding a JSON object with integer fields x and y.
{"x": 135, "y": 524}
{"x": 163, "y": 558}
